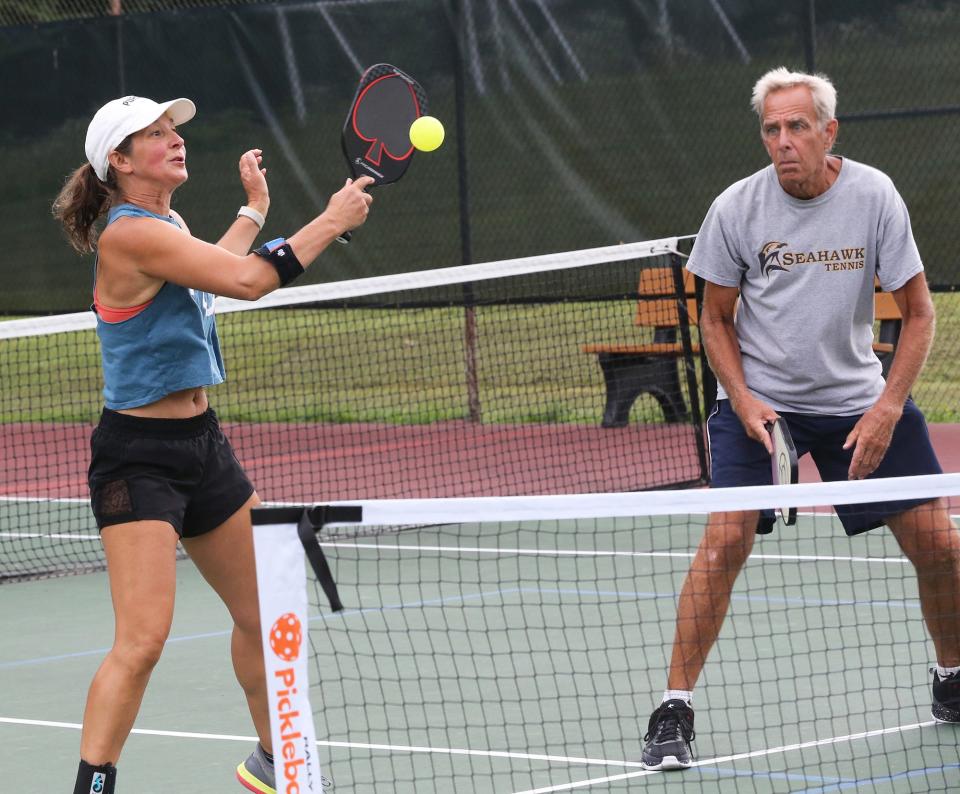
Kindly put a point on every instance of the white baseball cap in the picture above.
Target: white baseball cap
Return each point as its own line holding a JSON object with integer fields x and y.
{"x": 121, "y": 117}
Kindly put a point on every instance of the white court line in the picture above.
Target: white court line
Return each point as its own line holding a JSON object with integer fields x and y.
{"x": 54, "y": 535}
{"x": 176, "y": 734}
{"x": 594, "y": 553}
{"x": 353, "y": 745}
{"x": 737, "y": 757}
{"x": 523, "y": 756}
{"x": 51, "y": 499}
{"x": 517, "y": 551}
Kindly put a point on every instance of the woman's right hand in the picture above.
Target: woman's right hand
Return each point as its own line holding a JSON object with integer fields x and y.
{"x": 349, "y": 206}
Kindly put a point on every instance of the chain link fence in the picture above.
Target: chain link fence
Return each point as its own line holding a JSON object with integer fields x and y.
{"x": 570, "y": 124}
{"x": 31, "y": 12}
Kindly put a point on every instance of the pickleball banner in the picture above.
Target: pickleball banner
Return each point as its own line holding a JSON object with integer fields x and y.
{"x": 282, "y": 584}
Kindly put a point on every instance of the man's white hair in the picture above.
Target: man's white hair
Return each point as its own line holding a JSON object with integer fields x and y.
{"x": 822, "y": 90}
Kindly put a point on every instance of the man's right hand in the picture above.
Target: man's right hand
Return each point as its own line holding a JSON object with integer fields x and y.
{"x": 754, "y": 414}
{"x": 349, "y": 206}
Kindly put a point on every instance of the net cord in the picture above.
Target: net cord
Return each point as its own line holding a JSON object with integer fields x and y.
{"x": 378, "y": 285}
{"x": 399, "y": 512}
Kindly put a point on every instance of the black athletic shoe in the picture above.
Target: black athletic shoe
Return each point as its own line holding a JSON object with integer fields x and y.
{"x": 668, "y": 738}
{"x": 946, "y": 697}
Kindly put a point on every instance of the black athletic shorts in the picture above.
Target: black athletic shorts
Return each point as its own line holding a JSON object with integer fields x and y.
{"x": 182, "y": 471}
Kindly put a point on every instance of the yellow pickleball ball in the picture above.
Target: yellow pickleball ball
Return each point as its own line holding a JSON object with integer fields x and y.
{"x": 426, "y": 134}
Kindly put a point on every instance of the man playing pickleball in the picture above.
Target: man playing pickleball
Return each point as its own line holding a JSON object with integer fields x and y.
{"x": 800, "y": 243}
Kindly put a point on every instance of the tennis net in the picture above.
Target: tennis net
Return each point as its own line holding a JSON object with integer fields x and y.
{"x": 464, "y": 381}
{"x": 520, "y": 645}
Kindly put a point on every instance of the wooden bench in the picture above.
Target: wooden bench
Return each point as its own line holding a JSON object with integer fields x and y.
{"x": 887, "y": 313}
{"x": 630, "y": 370}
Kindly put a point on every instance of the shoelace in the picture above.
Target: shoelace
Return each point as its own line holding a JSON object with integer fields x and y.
{"x": 950, "y": 685}
{"x": 670, "y": 723}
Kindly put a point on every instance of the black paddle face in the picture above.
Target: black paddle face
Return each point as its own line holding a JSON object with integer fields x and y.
{"x": 376, "y": 134}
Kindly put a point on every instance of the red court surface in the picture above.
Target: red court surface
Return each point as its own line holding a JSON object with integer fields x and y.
{"x": 325, "y": 462}
{"x": 317, "y": 462}
{"x": 946, "y": 441}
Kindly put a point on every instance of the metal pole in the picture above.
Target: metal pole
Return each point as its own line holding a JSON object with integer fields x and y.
{"x": 808, "y": 13}
{"x": 116, "y": 10}
{"x": 466, "y": 253}
{"x": 689, "y": 368}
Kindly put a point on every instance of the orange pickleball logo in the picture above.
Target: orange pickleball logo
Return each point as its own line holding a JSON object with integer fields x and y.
{"x": 286, "y": 637}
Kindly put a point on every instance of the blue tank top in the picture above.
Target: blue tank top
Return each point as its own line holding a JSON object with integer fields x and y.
{"x": 171, "y": 345}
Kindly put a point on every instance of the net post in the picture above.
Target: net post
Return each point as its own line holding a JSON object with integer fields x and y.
{"x": 463, "y": 193}
{"x": 708, "y": 381}
{"x": 312, "y": 520}
{"x": 689, "y": 368}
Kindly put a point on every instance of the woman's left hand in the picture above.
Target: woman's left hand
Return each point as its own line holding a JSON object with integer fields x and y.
{"x": 253, "y": 177}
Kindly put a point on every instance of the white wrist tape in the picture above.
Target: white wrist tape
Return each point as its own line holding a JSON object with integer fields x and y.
{"x": 252, "y": 214}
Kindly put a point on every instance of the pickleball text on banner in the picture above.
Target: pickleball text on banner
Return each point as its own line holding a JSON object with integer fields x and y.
{"x": 282, "y": 583}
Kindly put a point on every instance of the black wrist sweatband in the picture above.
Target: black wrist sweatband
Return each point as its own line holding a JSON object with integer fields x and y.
{"x": 282, "y": 259}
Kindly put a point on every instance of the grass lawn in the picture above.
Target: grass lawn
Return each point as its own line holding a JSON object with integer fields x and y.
{"x": 401, "y": 366}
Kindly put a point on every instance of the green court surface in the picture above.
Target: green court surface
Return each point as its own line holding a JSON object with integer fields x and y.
{"x": 56, "y": 632}
{"x": 522, "y": 658}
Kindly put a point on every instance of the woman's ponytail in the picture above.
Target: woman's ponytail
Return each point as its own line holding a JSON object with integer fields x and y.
{"x": 81, "y": 202}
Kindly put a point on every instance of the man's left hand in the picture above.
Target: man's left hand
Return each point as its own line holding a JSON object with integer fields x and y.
{"x": 871, "y": 437}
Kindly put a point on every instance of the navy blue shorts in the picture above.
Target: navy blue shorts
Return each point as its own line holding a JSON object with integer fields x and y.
{"x": 182, "y": 471}
{"x": 736, "y": 459}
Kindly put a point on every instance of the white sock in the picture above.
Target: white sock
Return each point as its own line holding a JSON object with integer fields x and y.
{"x": 682, "y": 694}
{"x": 946, "y": 672}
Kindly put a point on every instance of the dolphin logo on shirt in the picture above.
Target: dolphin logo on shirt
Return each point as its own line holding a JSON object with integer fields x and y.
{"x": 769, "y": 257}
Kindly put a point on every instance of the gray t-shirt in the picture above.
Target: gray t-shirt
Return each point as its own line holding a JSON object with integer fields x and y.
{"x": 805, "y": 270}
